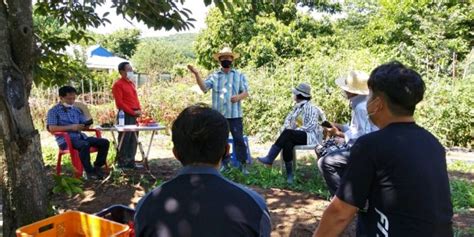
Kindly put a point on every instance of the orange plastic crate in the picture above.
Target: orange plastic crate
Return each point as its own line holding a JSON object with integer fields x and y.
{"x": 72, "y": 224}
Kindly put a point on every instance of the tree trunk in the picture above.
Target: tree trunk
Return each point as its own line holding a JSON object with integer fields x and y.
{"x": 24, "y": 183}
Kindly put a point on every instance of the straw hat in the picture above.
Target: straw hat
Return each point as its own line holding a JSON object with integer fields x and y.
{"x": 225, "y": 51}
{"x": 302, "y": 89}
{"x": 355, "y": 82}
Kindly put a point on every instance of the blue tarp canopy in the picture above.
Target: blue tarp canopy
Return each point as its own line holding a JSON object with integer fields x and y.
{"x": 99, "y": 51}
{"x": 100, "y": 58}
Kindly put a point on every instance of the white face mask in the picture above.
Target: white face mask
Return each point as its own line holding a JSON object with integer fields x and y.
{"x": 344, "y": 94}
{"x": 370, "y": 114}
{"x": 67, "y": 105}
{"x": 130, "y": 75}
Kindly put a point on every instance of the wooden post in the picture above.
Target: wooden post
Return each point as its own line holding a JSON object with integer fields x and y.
{"x": 454, "y": 65}
{"x": 82, "y": 91}
{"x": 90, "y": 92}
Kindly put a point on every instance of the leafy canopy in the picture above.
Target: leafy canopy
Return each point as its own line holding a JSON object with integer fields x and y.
{"x": 61, "y": 23}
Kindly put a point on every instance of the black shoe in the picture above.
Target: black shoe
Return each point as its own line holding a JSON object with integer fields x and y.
{"x": 91, "y": 176}
{"x": 99, "y": 172}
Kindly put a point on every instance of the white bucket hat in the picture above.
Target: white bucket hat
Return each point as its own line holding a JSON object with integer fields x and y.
{"x": 355, "y": 82}
{"x": 303, "y": 89}
{"x": 225, "y": 51}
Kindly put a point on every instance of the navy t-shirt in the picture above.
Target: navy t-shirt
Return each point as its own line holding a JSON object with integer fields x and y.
{"x": 201, "y": 202}
{"x": 401, "y": 171}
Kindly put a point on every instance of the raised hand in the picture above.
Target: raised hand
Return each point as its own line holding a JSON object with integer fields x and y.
{"x": 192, "y": 69}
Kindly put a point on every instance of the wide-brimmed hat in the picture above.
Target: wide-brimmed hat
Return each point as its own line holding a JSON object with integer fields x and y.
{"x": 225, "y": 51}
{"x": 303, "y": 89}
{"x": 355, "y": 82}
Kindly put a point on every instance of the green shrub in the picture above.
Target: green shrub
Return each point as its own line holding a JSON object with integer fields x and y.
{"x": 165, "y": 100}
{"x": 447, "y": 110}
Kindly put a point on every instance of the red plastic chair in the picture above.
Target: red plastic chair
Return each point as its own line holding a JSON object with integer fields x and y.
{"x": 75, "y": 159}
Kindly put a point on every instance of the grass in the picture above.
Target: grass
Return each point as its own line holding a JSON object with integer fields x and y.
{"x": 463, "y": 232}
{"x": 462, "y": 189}
{"x": 307, "y": 177}
{"x": 460, "y": 166}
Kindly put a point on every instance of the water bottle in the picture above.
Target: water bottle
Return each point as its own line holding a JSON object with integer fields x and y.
{"x": 121, "y": 118}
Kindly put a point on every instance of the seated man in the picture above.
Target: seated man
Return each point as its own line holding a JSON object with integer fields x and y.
{"x": 199, "y": 201}
{"x": 66, "y": 117}
{"x": 334, "y": 155}
{"x": 400, "y": 169}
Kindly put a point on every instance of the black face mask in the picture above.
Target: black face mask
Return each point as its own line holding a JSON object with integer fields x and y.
{"x": 226, "y": 63}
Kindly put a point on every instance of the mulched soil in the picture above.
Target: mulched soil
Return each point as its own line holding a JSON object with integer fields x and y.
{"x": 293, "y": 213}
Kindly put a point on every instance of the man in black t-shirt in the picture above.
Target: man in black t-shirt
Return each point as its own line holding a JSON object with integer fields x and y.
{"x": 199, "y": 201}
{"x": 400, "y": 169}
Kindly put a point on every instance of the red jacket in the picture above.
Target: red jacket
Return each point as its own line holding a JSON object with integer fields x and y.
{"x": 125, "y": 96}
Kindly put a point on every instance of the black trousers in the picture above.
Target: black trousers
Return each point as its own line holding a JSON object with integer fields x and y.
{"x": 288, "y": 139}
{"x": 332, "y": 167}
{"x": 126, "y": 155}
{"x": 84, "y": 145}
{"x": 237, "y": 130}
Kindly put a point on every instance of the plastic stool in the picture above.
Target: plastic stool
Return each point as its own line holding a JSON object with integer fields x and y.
{"x": 233, "y": 157}
{"x": 297, "y": 147}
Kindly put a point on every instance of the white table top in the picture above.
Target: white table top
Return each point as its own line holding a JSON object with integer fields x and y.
{"x": 131, "y": 128}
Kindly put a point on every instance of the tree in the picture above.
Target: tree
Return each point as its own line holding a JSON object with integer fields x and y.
{"x": 424, "y": 34}
{"x": 183, "y": 42}
{"x": 154, "y": 57}
{"x": 24, "y": 182}
{"x": 262, "y": 28}
{"x": 122, "y": 42}
{"x": 53, "y": 65}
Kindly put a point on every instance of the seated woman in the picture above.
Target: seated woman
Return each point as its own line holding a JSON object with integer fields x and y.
{"x": 301, "y": 127}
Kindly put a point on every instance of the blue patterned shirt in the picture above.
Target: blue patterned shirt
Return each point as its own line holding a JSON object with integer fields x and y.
{"x": 61, "y": 115}
{"x": 224, "y": 86}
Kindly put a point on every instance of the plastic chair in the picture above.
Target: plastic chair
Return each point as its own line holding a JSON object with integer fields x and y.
{"x": 75, "y": 159}
{"x": 296, "y": 148}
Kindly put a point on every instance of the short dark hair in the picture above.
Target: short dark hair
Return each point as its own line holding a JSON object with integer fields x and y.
{"x": 200, "y": 135}
{"x": 63, "y": 91}
{"x": 301, "y": 97}
{"x": 121, "y": 66}
{"x": 401, "y": 87}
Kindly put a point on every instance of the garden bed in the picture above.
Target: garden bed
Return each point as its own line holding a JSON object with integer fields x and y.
{"x": 293, "y": 212}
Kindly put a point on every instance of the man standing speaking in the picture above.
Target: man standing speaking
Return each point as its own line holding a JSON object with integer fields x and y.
{"x": 229, "y": 88}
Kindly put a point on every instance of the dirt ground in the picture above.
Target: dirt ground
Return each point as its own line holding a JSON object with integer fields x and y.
{"x": 293, "y": 213}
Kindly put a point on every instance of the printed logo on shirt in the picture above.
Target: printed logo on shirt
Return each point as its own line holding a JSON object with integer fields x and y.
{"x": 382, "y": 224}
